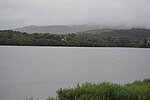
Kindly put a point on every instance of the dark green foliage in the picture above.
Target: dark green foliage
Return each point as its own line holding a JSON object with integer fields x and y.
{"x": 134, "y": 33}
{"x": 49, "y": 98}
{"x": 138, "y": 90}
{"x": 92, "y": 38}
{"x": 8, "y": 37}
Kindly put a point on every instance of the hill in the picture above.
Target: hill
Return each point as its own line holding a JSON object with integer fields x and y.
{"x": 134, "y": 33}
{"x": 92, "y": 38}
{"x": 59, "y": 29}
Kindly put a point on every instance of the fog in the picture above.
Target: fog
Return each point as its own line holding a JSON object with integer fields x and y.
{"x": 18, "y": 13}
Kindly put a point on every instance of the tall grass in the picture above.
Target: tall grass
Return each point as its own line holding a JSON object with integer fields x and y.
{"x": 138, "y": 90}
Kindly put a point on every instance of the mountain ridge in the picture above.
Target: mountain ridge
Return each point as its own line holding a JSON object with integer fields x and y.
{"x": 65, "y": 29}
{"x": 58, "y": 29}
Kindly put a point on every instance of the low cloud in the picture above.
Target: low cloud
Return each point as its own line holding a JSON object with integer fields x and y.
{"x": 18, "y": 13}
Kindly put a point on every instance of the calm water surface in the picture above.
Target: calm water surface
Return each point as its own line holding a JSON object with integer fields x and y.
{"x": 40, "y": 71}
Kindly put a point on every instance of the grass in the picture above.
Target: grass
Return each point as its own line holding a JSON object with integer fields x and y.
{"x": 138, "y": 90}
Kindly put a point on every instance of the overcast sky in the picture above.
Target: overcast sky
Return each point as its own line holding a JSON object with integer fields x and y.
{"x": 18, "y": 13}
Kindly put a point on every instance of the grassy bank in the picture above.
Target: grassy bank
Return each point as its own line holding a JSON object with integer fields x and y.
{"x": 138, "y": 90}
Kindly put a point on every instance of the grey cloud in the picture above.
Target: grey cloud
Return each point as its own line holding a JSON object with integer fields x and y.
{"x": 17, "y": 13}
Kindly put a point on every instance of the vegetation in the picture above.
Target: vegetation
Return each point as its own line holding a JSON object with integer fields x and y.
{"x": 91, "y": 38}
{"x": 138, "y": 90}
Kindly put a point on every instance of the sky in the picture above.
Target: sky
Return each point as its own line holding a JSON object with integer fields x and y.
{"x": 19, "y": 13}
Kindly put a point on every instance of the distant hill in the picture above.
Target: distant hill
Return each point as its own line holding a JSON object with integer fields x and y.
{"x": 134, "y": 33}
{"x": 59, "y": 29}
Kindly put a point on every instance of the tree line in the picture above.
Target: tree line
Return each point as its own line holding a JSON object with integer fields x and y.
{"x": 82, "y": 39}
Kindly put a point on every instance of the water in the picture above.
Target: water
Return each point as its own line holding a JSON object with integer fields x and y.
{"x": 41, "y": 71}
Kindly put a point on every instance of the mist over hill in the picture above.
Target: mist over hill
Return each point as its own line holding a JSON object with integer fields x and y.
{"x": 65, "y": 29}
{"x": 58, "y": 29}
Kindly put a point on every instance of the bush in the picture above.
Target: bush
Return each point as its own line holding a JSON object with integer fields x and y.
{"x": 138, "y": 90}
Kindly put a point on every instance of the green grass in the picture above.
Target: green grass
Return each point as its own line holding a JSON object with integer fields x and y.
{"x": 138, "y": 90}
